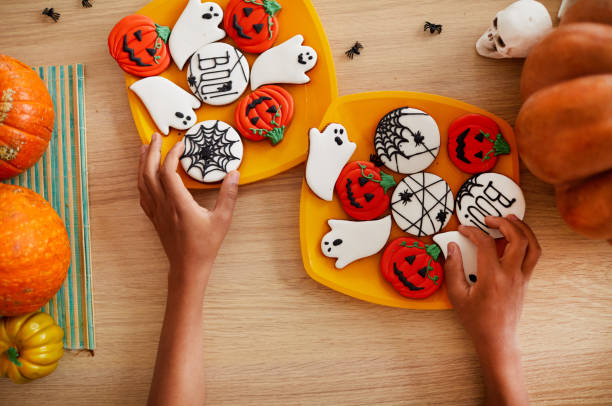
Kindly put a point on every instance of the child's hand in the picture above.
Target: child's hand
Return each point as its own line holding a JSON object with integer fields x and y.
{"x": 190, "y": 234}
{"x": 491, "y": 308}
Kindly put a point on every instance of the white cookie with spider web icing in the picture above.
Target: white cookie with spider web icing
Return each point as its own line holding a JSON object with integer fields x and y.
{"x": 407, "y": 140}
{"x": 422, "y": 204}
{"x": 212, "y": 149}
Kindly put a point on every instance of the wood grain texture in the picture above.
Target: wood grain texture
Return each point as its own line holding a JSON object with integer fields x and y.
{"x": 274, "y": 336}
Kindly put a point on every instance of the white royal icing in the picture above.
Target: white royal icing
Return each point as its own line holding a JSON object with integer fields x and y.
{"x": 422, "y": 204}
{"x": 407, "y": 140}
{"x": 196, "y": 27}
{"x": 489, "y": 194}
{"x": 469, "y": 252}
{"x": 212, "y": 149}
{"x": 168, "y": 104}
{"x": 329, "y": 151}
{"x": 218, "y": 74}
{"x": 352, "y": 240}
{"x": 284, "y": 63}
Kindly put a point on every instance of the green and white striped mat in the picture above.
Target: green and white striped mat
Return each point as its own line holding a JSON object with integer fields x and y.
{"x": 61, "y": 178}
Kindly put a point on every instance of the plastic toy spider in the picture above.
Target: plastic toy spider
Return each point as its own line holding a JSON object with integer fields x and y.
{"x": 354, "y": 50}
{"x": 51, "y": 13}
{"x": 432, "y": 27}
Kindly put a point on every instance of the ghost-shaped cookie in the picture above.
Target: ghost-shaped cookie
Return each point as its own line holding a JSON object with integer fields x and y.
{"x": 168, "y": 104}
{"x": 284, "y": 63}
{"x": 469, "y": 252}
{"x": 196, "y": 27}
{"x": 352, "y": 240}
{"x": 329, "y": 151}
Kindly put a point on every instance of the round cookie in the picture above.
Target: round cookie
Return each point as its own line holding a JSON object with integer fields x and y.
{"x": 218, "y": 73}
{"x": 489, "y": 194}
{"x": 138, "y": 45}
{"x": 362, "y": 189}
{"x": 252, "y": 24}
{"x": 422, "y": 204}
{"x": 411, "y": 267}
{"x": 474, "y": 142}
{"x": 212, "y": 149}
{"x": 264, "y": 114}
{"x": 407, "y": 140}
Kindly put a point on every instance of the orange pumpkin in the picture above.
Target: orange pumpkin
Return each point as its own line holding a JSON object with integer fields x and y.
{"x": 26, "y": 117}
{"x": 563, "y": 129}
{"x": 596, "y": 11}
{"x": 569, "y": 52}
{"x": 34, "y": 251}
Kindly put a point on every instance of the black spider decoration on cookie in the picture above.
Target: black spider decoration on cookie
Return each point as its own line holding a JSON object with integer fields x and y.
{"x": 432, "y": 27}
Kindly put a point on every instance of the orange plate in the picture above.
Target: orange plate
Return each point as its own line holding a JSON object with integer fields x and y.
{"x": 261, "y": 159}
{"x": 360, "y": 114}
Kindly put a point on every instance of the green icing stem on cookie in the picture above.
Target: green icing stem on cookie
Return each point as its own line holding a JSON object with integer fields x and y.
{"x": 500, "y": 145}
{"x": 433, "y": 251}
{"x": 386, "y": 181}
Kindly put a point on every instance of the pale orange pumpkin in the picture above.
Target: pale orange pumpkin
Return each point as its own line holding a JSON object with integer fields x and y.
{"x": 564, "y": 128}
{"x": 34, "y": 251}
{"x": 26, "y": 117}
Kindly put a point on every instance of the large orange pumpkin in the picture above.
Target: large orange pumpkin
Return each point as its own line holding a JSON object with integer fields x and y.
{"x": 564, "y": 128}
{"x": 34, "y": 251}
{"x": 26, "y": 117}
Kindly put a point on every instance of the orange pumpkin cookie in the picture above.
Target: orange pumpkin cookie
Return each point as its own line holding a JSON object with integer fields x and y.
{"x": 265, "y": 113}
{"x": 252, "y": 24}
{"x": 139, "y": 46}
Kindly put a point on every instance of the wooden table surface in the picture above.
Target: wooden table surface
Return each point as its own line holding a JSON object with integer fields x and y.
{"x": 274, "y": 336}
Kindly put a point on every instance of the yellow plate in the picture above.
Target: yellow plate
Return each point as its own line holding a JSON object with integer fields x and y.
{"x": 261, "y": 159}
{"x": 360, "y": 114}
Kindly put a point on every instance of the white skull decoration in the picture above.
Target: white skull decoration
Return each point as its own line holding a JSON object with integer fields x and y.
{"x": 515, "y": 30}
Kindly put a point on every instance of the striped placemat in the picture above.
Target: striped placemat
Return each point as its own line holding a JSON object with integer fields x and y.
{"x": 61, "y": 177}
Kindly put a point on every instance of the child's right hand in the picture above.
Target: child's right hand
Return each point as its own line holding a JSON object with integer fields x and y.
{"x": 491, "y": 308}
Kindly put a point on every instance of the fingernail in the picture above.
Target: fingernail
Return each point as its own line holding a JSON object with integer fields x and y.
{"x": 154, "y": 137}
{"x": 452, "y": 249}
{"x": 234, "y": 177}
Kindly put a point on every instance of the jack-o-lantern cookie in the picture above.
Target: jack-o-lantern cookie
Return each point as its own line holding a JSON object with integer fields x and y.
{"x": 139, "y": 46}
{"x": 252, "y": 24}
{"x": 362, "y": 189}
{"x": 265, "y": 114}
{"x": 411, "y": 267}
{"x": 474, "y": 142}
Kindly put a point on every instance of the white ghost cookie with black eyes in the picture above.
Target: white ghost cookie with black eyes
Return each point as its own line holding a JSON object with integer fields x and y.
{"x": 422, "y": 204}
{"x": 284, "y": 63}
{"x": 168, "y": 104}
{"x": 218, "y": 74}
{"x": 407, "y": 140}
{"x": 328, "y": 152}
{"x": 213, "y": 148}
{"x": 469, "y": 252}
{"x": 197, "y": 26}
{"x": 489, "y": 194}
{"x": 352, "y": 240}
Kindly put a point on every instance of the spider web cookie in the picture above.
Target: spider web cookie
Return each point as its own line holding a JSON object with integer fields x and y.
{"x": 407, "y": 140}
{"x": 212, "y": 149}
{"x": 422, "y": 204}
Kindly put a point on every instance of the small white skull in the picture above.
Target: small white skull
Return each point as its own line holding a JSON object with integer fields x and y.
{"x": 515, "y": 30}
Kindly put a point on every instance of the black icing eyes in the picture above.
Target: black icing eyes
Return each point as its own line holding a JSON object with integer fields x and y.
{"x": 258, "y": 27}
{"x": 473, "y": 278}
{"x": 210, "y": 15}
{"x": 247, "y": 11}
{"x": 181, "y": 115}
{"x": 336, "y": 130}
{"x": 138, "y": 35}
{"x": 309, "y": 56}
